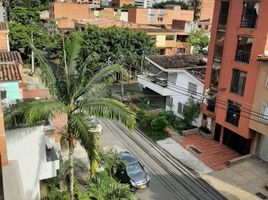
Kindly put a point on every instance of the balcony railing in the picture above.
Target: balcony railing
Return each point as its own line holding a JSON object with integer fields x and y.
{"x": 211, "y": 105}
{"x": 160, "y": 81}
{"x": 242, "y": 56}
{"x": 249, "y": 21}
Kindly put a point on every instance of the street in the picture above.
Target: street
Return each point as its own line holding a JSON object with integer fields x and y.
{"x": 169, "y": 178}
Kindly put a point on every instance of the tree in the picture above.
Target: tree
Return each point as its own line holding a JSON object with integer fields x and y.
{"x": 78, "y": 96}
{"x": 166, "y": 4}
{"x": 115, "y": 45}
{"x": 190, "y": 112}
{"x": 198, "y": 39}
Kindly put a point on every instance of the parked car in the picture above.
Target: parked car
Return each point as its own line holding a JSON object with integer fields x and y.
{"x": 96, "y": 123}
{"x": 131, "y": 171}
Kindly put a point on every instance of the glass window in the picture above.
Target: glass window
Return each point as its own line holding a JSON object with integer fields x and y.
{"x": 169, "y": 37}
{"x": 3, "y": 94}
{"x": 223, "y": 16}
{"x": 160, "y": 15}
{"x": 150, "y": 15}
{"x": 169, "y": 101}
{"x": 238, "y": 82}
{"x": 264, "y": 112}
{"x": 233, "y": 113}
{"x": 180, "y": 108}
{"x": 250, "y": 14}
{"x": 182, "y": 38}
{"x": 180, "y": 50}
{"x": 243, "y": 49}
{"x": 172, "y": 77}
{"x": 192, "y": 88}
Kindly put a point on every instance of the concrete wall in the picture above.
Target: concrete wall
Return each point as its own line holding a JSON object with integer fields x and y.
{"x": 27, "y": 147}
{"x": 12, "y": 88}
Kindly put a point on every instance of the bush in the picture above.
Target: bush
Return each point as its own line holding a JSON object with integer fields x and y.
{"x": 159, "y": 124}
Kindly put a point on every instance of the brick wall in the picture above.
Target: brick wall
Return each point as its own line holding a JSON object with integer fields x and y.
{"x": 207, "y": 8}
{"x": 3, "y": 149}
{"x": 4, "y": 41}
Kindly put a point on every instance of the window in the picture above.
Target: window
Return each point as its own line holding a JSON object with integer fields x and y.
{"x": 238, "y": 82}
{"x": 169, "y": 37}
{"x": 160, "y": 15}
{"x": 153, "y": 37}
{"x": 169, "y": 101}
{"x": 264, "y": 112}
{"x": 250, "y": 14}
{"x": 180, "y": 108}
{"x": 243, "y": 50}
{"x": 182, "y": 38}
{"x": 180, "y": 50}
{"x": 223, "y": 16}
{"x": 192, "y": 88}
{"x": 150, "y": 15}
{"x": 233, "y": 113}
{"x": 3, "y": 94}
{"x": 172, "y": 77}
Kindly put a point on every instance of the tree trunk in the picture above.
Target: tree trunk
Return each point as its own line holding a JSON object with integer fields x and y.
{"x": 71, "y": 165}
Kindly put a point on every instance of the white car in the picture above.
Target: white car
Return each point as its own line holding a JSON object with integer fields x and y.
{"x": 96, "y": 123}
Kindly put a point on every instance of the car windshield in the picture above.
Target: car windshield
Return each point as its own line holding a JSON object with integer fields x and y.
{"x": 134, "y": 168}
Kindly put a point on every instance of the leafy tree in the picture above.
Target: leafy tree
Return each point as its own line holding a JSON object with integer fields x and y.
{"x": 115, "y": 45}
{"x": 104, "y": 187}
{"x": 190, "y": 112}
{"x": 198, "y": 39}
{"x": 166, "y": 4}
{"x": 77, "y": 96}
{"x": 25, "y": 15}
{"x": 159, "y": 124}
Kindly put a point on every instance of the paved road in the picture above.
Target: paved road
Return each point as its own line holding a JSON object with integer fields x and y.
{"x": 170, "y": 180}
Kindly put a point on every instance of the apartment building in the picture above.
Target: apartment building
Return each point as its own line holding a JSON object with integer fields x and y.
{"x": 203, "y": 9}
{"x": 143, "y": 16}
{"x": 173, "y": 79}
{"x": 168, "y": 41}
{"x": 121, "y": 3}
{"x": 238, "y": 36}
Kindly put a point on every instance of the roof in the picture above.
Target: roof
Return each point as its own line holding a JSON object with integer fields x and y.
{"x": 129, "y": 158}
{"x": 10, "y": 56}
{"x": 195, "y": 64}
{"x": 161, "y": 30}
{"x": 3, "y": 26}
{"x": 178, "y": 61}
{"x": 9, "y": 72}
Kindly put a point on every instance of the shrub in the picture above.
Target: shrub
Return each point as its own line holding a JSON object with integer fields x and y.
{"x": 159, "y": 124}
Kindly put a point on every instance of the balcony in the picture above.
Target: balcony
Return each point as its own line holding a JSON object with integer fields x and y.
{"x": 242, "y": 56}
{"x": 211, "y": 105}
{"x": 249, "y": 21}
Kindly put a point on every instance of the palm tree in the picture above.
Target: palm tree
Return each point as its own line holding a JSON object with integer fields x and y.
{"x": 78, "y": 95}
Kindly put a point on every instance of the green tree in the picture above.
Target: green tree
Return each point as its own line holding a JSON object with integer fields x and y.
{"x": 159, "y": 124}
{"x": 25, "y": 15}
{"x": 116, "y": 45}
{"x": 166, "y": 4}
{"x": 77, "y": 96}
{"x": 198, "y": 39}
{"x": 190, "y": 112}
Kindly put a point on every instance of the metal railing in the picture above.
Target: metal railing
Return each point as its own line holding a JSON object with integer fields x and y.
{"x": 248, "y": 21}
{"x": 242, "y": 56}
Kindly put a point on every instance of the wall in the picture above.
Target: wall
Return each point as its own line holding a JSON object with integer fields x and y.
{"x": 182, "y": 81}
{"x": 27, "y": 147}
{"x": 262, "y": 148}
{"x": 207, "y": 8}
{"x": 4, "y": 41}
{"x": 12, "y": 88}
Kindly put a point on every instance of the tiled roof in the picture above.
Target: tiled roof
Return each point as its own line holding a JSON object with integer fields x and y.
{"x": 10, "y": 56}
{"x": 3, "y": 26}
{"x": 9, "y": 72}
{"x": 178, "y": 61}
{"x": 160, "y": 30}
{"x": 198, "y": 72}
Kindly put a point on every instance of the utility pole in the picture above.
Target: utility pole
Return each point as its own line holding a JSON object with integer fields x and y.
{"x": 32, "y": 52}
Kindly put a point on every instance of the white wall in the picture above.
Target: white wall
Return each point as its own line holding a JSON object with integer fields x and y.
{"x": 124, "y": 16}
{"x": 263, "y": 148}
{"x": 27, "y": 146}
{"x": 182, "y": 96}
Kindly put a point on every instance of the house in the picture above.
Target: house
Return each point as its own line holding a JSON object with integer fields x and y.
{"x": 174, "y": 78}
{"x": 236, "y": 76}
{"x": 164, "y": 17}
{"x": 4, "y": 41}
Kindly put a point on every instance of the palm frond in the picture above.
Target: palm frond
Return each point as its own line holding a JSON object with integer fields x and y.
{"x": 89, "y": 140}
{"x": 47, "y": 76}
{"x": 109, "y": 109}
{"x": 103, "y": 78}
{"x": 72, "y": 48}
{"x": 40, "y": 109}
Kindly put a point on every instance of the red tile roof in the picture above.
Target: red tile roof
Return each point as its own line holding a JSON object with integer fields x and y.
{"x": 10, "y": 72}
{"x": 10, "y": 56}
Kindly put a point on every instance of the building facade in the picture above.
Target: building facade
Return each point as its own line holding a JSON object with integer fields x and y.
{"x": 4, "y": 40}
{"x": 238, "y": 36}
{"x": 203, "y": 9}
{"x": 142, "y": 16}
